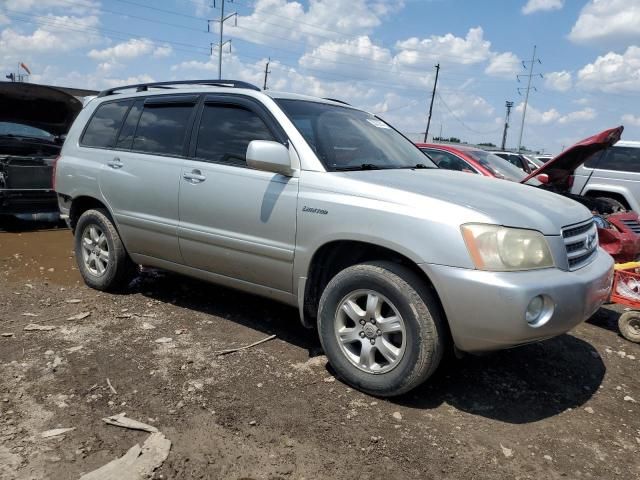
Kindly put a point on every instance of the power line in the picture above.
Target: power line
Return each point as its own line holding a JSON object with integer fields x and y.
{"x": 461, "y": 122}
{"x": 222, "y": 42}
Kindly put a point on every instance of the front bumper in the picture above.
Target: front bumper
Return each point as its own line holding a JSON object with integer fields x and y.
{"x": 486, "y": 310}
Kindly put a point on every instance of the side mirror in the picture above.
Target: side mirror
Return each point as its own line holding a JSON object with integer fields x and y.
{"x": 543, "y": 178}
{"x": 269, "y": 156}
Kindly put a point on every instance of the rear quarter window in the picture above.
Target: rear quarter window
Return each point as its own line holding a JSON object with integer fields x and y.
{"x": 624, "y": 159}
{"x": 102, "y": 129}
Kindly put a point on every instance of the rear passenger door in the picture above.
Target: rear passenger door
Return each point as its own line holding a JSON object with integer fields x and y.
{"x": 235, "y": 221}
{"x": 141, "y": 179}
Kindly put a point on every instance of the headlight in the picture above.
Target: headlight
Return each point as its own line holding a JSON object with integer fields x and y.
{"x": 497, "y": 248}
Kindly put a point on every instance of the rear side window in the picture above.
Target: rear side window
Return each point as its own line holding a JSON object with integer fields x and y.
{"x": 125, "y": 139}
{"x": 162, "y": 128}
{"x": 225, "y": 132}
{"x": 104, "y": 124}
{"x": 625, "y": 159}
{"x": 449, "y": 161}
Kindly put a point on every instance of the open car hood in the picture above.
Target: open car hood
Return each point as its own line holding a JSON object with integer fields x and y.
{"x": 565, "y": 163}
{"x": 47, "y": 108}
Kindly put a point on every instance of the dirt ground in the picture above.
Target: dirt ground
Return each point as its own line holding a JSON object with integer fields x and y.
{"x": 564, "y": 408}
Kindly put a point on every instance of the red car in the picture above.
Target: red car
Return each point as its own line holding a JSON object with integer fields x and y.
{"x": 615, "y": 228}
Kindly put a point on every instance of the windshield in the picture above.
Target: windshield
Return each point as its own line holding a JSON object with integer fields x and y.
{"x": 347, "y": 139}
{"x": 500, "y": 167}
{"x": 18, "y": 130}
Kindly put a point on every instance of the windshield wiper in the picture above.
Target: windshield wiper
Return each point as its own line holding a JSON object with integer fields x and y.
{"x": 363, "y": 166}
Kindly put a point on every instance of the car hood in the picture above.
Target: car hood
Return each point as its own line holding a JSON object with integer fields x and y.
{"x": 47, "y": 108}
{"x": 450, "y": 194}
{"x": 565, "y": 163}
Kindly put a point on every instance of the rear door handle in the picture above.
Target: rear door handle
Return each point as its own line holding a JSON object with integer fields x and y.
{"x": 115, "y": 163}
{"x": 194, "y": 176}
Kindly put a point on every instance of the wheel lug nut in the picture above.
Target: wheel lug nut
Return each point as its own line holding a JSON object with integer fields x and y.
{"x": 373, "y": 341}
{"x": 362, "y": 322}
{"x": 378, "y": 333}
{"x": 373, "y": 320}
{"x": 362, "y": 334}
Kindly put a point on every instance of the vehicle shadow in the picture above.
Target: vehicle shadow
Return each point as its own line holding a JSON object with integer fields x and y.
{"x": 518, "y": 386}
{"x": 252, "y": 311}
{"x": 606, "y": 318}
{"x": 30, "y": 223}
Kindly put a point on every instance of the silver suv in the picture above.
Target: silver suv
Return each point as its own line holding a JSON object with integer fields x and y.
{"x": 327, "y": 208}
{"x": 613, "y": 174}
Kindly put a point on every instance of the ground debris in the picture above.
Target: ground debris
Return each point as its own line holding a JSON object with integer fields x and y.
{"x": 29, "y": 314}
{"x": 164, "y": 340}
{"x": 111, "y": 386}
{"x": 507, "y": 452}
{"x": 232, "y": 350}
{"x": 6, "y": 334}
{"x": 79, "y": 316}
{"x": 627, "y": 398}
{"x": 73, "y": 300}
{"x": 120, "y": 420}
{"x": 34, "y": 327}
{"x": 137, "y": 463}
{"x": 56, "y": 432}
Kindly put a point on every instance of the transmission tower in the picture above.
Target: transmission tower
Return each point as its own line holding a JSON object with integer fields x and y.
{"x": 529, "y": 77}
{"x": 221, "y": 21}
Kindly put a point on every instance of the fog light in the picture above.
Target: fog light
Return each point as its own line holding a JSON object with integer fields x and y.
{"x": 535, "y": 310}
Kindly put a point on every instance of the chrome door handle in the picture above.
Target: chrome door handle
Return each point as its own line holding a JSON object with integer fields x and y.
{"x": 115, "y": 163}
{"x": 194, "y": 176}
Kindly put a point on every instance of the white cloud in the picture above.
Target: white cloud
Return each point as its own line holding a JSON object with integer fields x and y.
{"x": 631, "y": 119}
{"x": 559, "y": 81}
{"x": 608, "y": 21}
{"x": 578, "y": 116}
{"x": 419, "y": 53}
{"x": 54, "y": 36}
{"x": 275, "y": 21}
{"x": 133, "y": 48}
{"x": 533, "y": 6}
{"x": 505, "y": 64}
{"x": 538, "y": 117}
{"x": 613, "y": 72}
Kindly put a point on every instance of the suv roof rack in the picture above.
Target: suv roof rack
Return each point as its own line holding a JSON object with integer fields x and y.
{"x": 143, "y": 87}
{"x": 336, "y": 100}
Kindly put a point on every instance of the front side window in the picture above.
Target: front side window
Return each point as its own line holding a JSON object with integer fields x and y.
{"x": 104, "y": 124}
{"x": 225, "y": 132}
{"x": 344, "y": 138}
{"x": 162, "y": 128}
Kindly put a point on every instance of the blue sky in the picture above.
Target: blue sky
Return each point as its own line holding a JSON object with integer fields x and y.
{"x": 375, "y": 54}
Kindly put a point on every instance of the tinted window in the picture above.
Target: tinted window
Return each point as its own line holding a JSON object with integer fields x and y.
{"x": 129, "y": 128}
{"x": 496, "y": 165}
{"x": 225, "y": 132}
{"x": 104, "y": 125}
{"x": 449, "y": 161}
{"x": 626, "y": 159}
{"x": 162, "y": 128}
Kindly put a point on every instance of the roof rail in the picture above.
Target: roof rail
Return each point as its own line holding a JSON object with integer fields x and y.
{"x": 143, "y": 87}
{"x": 336, "y": 100}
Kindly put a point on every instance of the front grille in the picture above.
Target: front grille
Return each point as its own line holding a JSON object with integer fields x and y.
{"x": 581, "y": 243}
{"x": 633, "y": 225}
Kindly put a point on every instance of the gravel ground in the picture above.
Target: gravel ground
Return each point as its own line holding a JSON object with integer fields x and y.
{"x": 564, "y": 408}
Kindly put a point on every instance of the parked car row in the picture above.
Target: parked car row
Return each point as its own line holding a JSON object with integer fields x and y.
{"x": 328, "y": 208}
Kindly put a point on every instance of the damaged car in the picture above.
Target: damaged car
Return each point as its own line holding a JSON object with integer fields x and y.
{"x": 618, "y": 230}
{"x": 33, "y": 122}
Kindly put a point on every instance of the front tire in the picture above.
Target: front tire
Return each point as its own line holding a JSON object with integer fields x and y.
{"x": 381, "y": 328}
{"x": 102, "y": 259}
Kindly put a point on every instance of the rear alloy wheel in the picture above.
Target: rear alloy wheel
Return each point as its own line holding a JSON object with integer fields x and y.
{"x": 381, "y": 328}
{"x": 100, "y": 253}
{"x": 629, "y": 325}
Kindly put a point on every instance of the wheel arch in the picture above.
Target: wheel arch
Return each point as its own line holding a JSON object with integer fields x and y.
{"x": 616, "y": 195}
{"x": 81, "y": 204}
{"x": 334, "y": 256}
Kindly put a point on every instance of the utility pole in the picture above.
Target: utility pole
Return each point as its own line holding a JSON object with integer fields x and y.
{"x": 221, "y": 43}
{"x": 433, "y": 95}
{"x": 509, "y": 105}
{"x": 266, "y": 73}
{"x": 532, "y": 62}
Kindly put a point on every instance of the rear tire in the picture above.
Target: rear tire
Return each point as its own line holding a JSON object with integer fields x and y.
{"x": 629, "y": 325}
{"x": 102, "y": 259}
{"x": 381, "y": 328}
